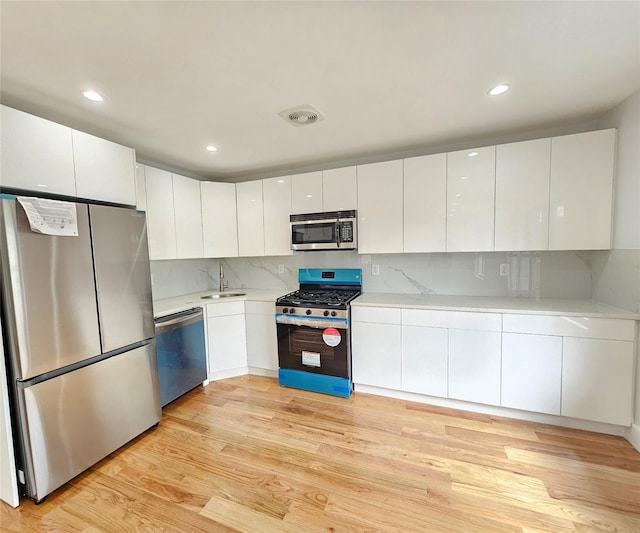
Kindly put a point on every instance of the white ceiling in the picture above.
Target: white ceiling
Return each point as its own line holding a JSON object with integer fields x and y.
{"x": 389, "y": 76}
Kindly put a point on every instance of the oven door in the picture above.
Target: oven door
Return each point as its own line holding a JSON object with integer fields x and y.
{"x": 314, "y": 235}
{"x": 316, "y": 346}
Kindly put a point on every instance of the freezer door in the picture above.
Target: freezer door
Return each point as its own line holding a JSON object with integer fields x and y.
{"x": 48, "y": 294}
{"x": 72, "y": 421}
{"x": 123, "y": 276}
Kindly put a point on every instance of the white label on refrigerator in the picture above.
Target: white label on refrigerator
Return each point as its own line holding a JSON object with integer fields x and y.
{"x": 311, "y": 358}
{"x": 51, "y": 217}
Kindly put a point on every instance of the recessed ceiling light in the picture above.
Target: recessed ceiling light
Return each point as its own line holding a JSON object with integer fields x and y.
{"x": 309, "y": 195}
{"x": 472, "y": 154}
{"x": 464, "y": 177}
{"x": 93, "y": 96}
{"x": 211, "y": 148}
{"x": 498, "y": 89}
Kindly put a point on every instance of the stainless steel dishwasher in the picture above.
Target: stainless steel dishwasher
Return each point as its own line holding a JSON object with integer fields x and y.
{"x": 182, "y": 354}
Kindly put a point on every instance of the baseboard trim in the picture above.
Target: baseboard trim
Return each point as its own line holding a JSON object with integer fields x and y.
{"x": 633, "y": 436}
{"x": 553, "y": 420}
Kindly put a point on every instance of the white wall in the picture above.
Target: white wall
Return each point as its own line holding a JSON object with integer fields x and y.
{"x": 616, "y": 273}
{"x": 8, "y": 479}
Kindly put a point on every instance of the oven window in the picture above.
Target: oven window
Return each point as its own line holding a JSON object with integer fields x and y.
{"x": 323, "y": 232}
{"x": 293, "y": 340}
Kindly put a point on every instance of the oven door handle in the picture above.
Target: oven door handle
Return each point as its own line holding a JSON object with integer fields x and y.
{"x": 315, "y": 323}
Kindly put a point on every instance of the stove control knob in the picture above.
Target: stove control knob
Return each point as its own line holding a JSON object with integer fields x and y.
{"x": 292, "y": 310}
{"x": 326, "y": 313}
{"x": 333, "y": 313}
{"x": 285, "y": 310}
{"x": 308, "y": 311}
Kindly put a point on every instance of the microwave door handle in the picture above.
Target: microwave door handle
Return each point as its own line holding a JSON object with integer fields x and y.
{"x": 338, "y": 226}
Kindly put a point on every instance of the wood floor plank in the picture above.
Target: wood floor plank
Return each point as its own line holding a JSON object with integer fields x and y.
{"x": 244, "y": 454}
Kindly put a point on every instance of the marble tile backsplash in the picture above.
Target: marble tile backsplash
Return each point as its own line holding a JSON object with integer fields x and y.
{"x": 534, "y": 275}
{"x": 616, "y": 278}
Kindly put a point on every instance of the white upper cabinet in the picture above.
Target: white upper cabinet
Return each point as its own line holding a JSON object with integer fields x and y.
{"x": 470, "y": 199}
{"x": 582, "y": 190}
{"x": 380, "y": 219}
{"x": 425, "y": 199}
{"x": 188, "y": 217}
{"x": 276, "y": 193}
{"x": 36, "y": 154}
{"x": 339, "y": 189}
{"x": 306, "y": 193}
{"x": 161, "y": 227}
{"x": 104, "y": 170}
{"x": 219, "y": 219}
{"x": 141, "y": 188}
{"x": 522, "y": 195}
{"x": 250, "y": 218}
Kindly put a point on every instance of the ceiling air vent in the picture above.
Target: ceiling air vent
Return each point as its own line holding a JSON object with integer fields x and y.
{"x": 302, "y": 115}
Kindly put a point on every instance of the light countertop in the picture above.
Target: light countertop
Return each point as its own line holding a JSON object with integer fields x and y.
{"x": 482, "y": 304}
{"x": 176, "y": 304}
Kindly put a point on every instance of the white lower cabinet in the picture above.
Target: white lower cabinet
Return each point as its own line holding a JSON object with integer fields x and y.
{"x": 474, "y": 366}
{"x": 262, "y": 339}
{"x": 376, "y": 339}
{"x": 597, "y": 380}
{"x": 531, "y": 372}
{"x": 424, "y": 360}
{"x": 227, "y": 339}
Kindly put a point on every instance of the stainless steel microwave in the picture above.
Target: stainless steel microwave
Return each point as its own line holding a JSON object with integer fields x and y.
{"x": 333, "y": 230}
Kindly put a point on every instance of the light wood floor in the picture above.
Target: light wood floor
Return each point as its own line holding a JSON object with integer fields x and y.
{"x": 244, "y": 454}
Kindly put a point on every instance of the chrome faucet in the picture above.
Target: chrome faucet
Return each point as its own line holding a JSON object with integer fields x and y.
{"x": 223, "y": 285}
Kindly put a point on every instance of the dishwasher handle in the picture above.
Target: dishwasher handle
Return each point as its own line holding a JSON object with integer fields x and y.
{"x": 177, "y": 320}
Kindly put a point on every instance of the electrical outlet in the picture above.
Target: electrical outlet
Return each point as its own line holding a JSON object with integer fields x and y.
{"x": 504, "y": 269}
{"x": 280, "y": 269}
{"x": 375, "y": 270}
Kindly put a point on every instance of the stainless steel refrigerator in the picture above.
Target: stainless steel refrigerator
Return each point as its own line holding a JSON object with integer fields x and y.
{"x": 79, "y": 340}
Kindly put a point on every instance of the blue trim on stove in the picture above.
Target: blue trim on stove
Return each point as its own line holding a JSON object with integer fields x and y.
{"x": 341, "y": 276}
{"x": 297, "y": 379}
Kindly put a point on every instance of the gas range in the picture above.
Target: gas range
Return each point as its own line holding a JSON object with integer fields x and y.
{"x": 330, "y": 302}
{"x": 314, "y": 341}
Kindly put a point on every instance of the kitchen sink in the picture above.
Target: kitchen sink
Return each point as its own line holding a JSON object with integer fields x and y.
{"x": 222, "y": 295}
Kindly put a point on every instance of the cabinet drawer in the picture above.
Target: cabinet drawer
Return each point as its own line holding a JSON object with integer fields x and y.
{"x": 260, "y": 308}
{"x": 571, "y": 326}
{"x": 379, "y": 315}
{"x": 225, "y": 309}
{"x": 452, "y": 319}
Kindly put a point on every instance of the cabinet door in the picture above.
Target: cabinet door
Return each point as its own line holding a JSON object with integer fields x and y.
{"x": 581, "y": 191}
{"x": 161, "y": 226}
{"x": 219, "y": 219}
{"x": 424, "y": 360}
{"x": 531, "y": 372}
{"x": 474, "y": 366}
{"x": 306, "y": 193}
{"x": 339, "y": 189}
{"x": 276, "y": 193}
{"x": 380, "y": 197}
{"x": 597, "y": 380}
{"x": 104, "y": 170}
{"x": 141, "y": 188}
{"x": 262, "y": 341}
{"x": 250, "y": 219}
{"x": 35, "y": 154}
{"x": 186, "y": 197}
{"x": 470, "y": 199}
{"x": 425, "y": 203}
{"x": 522, "y": 195}
{"x": 376, "y": 355}
{"x": 227, "y": 341}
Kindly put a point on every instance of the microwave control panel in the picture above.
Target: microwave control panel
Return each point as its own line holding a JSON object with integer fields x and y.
{"x": 346, "y": 232}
